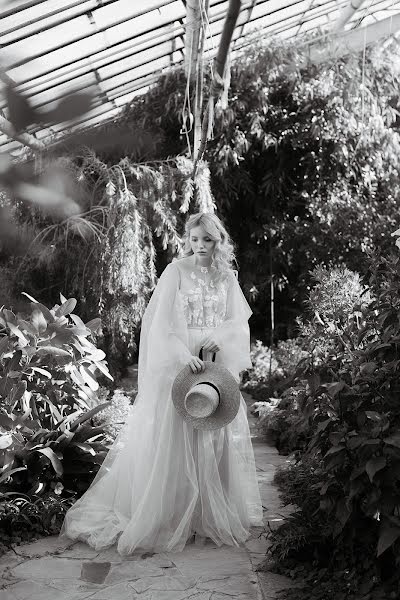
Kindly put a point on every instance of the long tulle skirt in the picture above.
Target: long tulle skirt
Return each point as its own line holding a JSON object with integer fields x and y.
{"x": 162, "y": 480}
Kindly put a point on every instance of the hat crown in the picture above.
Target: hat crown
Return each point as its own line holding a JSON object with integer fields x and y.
{"x": 202, "y": 400}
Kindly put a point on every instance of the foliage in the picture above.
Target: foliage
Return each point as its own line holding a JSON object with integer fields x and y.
{"x": 107, "y": 255}
{"x": 47, "y": 385}
{"x": 115, "y": 415}
{"x": 349, "y": 402}
{"x": 306, "y": 152}
{"x": 264, "y": 363}
{"x": 23, "y": 520}
{"x": 282, "y": 419}
{"x": 302, "y": 548}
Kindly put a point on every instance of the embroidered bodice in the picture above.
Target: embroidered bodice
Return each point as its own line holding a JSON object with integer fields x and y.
{"x": 204, "y": 298}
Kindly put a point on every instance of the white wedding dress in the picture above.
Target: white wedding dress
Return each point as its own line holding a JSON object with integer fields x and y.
{"x": 162, "y": 480}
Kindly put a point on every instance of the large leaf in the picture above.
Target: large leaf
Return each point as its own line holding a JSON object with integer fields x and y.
{"x": 17, "y": 392}
{"x": 6, "y": 422}
{"x": 30, "y": 297}
{"x": 368, "y": 368}
{"x": 14, "y": 363}
{"x": 393, "y": 440}
{"x": 53, "y": 350}
{"x": 53, "y": 458}
{"x": 88, "y": 377}
{"x": 374, "y": 465}
{"x": 8, "y": 474}
{"x": 66, "y": 308}
{"x": 104, "y": 370}
{"x": 87, "y": 432}
{"x": 28, "y": 327}
{"x": 88, "y": 415}
{"x": 4, "y": 344}
{"x": 94, "y": 324}
{"x": 16, "y": 331}
{"x": 9, "y": 316}
{"x": 38, "y": 320}
{"x": 335, "y": 388}
{"x": 85, "y": 447}
{"x": 78, "y": 321}
{"x": 45, "y": 311}
{"x": 389, "y": 534}
{"x": 42, "y": 372}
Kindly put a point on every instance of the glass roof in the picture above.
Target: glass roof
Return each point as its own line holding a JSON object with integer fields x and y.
{"x": 116, "y": 49}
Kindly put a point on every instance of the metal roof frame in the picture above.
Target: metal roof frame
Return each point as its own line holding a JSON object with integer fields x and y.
{"x": 155, "y": 44}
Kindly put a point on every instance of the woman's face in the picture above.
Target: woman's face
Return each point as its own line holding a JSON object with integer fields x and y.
{"x": 201, "y": 243}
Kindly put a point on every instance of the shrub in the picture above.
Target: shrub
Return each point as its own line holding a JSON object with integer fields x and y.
{"x": 24, "y": 520}
{"x": 47, "y": 385}
{"x": 350, "y": 401}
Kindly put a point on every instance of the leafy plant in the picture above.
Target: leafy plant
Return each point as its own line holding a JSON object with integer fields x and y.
{"x": 349, "y": 401}
{"x": 23, "y": 519}
{"x": 47, "y": 385}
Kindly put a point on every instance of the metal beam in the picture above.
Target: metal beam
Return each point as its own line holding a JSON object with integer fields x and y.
{"x": 46, "y": 15}
{"x": 219, "y": 17}
{"x": 346, "y": 13}
{"x": 91, "y": 55}
{"x": 21, "y": 7}
{"x": 85, "y": 86}
{"x": 91, "y": 8}
{"x": 79, "y": 38}
{"x": 354, "y": 39}
{"x": 91, "y": 70}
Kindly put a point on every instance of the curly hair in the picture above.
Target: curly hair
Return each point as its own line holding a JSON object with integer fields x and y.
{"x": 224, "y": 252}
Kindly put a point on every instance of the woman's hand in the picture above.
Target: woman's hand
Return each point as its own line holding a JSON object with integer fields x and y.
{"x": 196, "y": 364}
{"x": 210, "y": 345}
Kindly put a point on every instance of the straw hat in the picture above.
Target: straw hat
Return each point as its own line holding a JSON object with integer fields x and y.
{"x": 207, "y": 400}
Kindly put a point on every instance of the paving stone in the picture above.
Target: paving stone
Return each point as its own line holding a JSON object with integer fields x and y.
{"x": 177, "y": 583}
{"x": 33, "y": 591}
{"x": 257, "y": 545}
{"x": 48, "y": 568}
{"x": 133, "y": 570}
{"x": 77, "y": 589}
{"x": 8, "y": 561}
{"x": 172, "y": 595}
{"x": 234, "y": 585}
{"x": 199, "y": 562}
{"x": 44, "y": 546}
{"x": 120, "y": 591}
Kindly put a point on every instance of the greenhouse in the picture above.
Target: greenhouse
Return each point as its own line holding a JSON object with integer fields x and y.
{"x": 199, "y": 299}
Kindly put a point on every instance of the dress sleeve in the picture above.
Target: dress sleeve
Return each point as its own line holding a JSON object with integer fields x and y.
{"x": 233, "y": 335}
{"x": 164, "y": 336}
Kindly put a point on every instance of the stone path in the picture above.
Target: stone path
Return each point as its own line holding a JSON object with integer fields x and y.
{"x": 48, "y": 570}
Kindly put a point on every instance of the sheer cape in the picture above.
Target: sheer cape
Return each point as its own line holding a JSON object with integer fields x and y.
{"x": 161, "y": 479}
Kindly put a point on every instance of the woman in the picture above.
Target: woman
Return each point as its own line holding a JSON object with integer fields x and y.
{"x": 162, "y": 480}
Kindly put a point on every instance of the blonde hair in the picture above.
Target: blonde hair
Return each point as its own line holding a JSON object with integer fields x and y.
{"x": 224, "y": 253}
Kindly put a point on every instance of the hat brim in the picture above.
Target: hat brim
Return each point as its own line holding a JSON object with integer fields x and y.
{"x": 227, "y": 386}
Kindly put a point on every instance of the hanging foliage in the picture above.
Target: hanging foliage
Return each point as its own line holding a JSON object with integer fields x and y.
{"x": 108, "y": 255}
